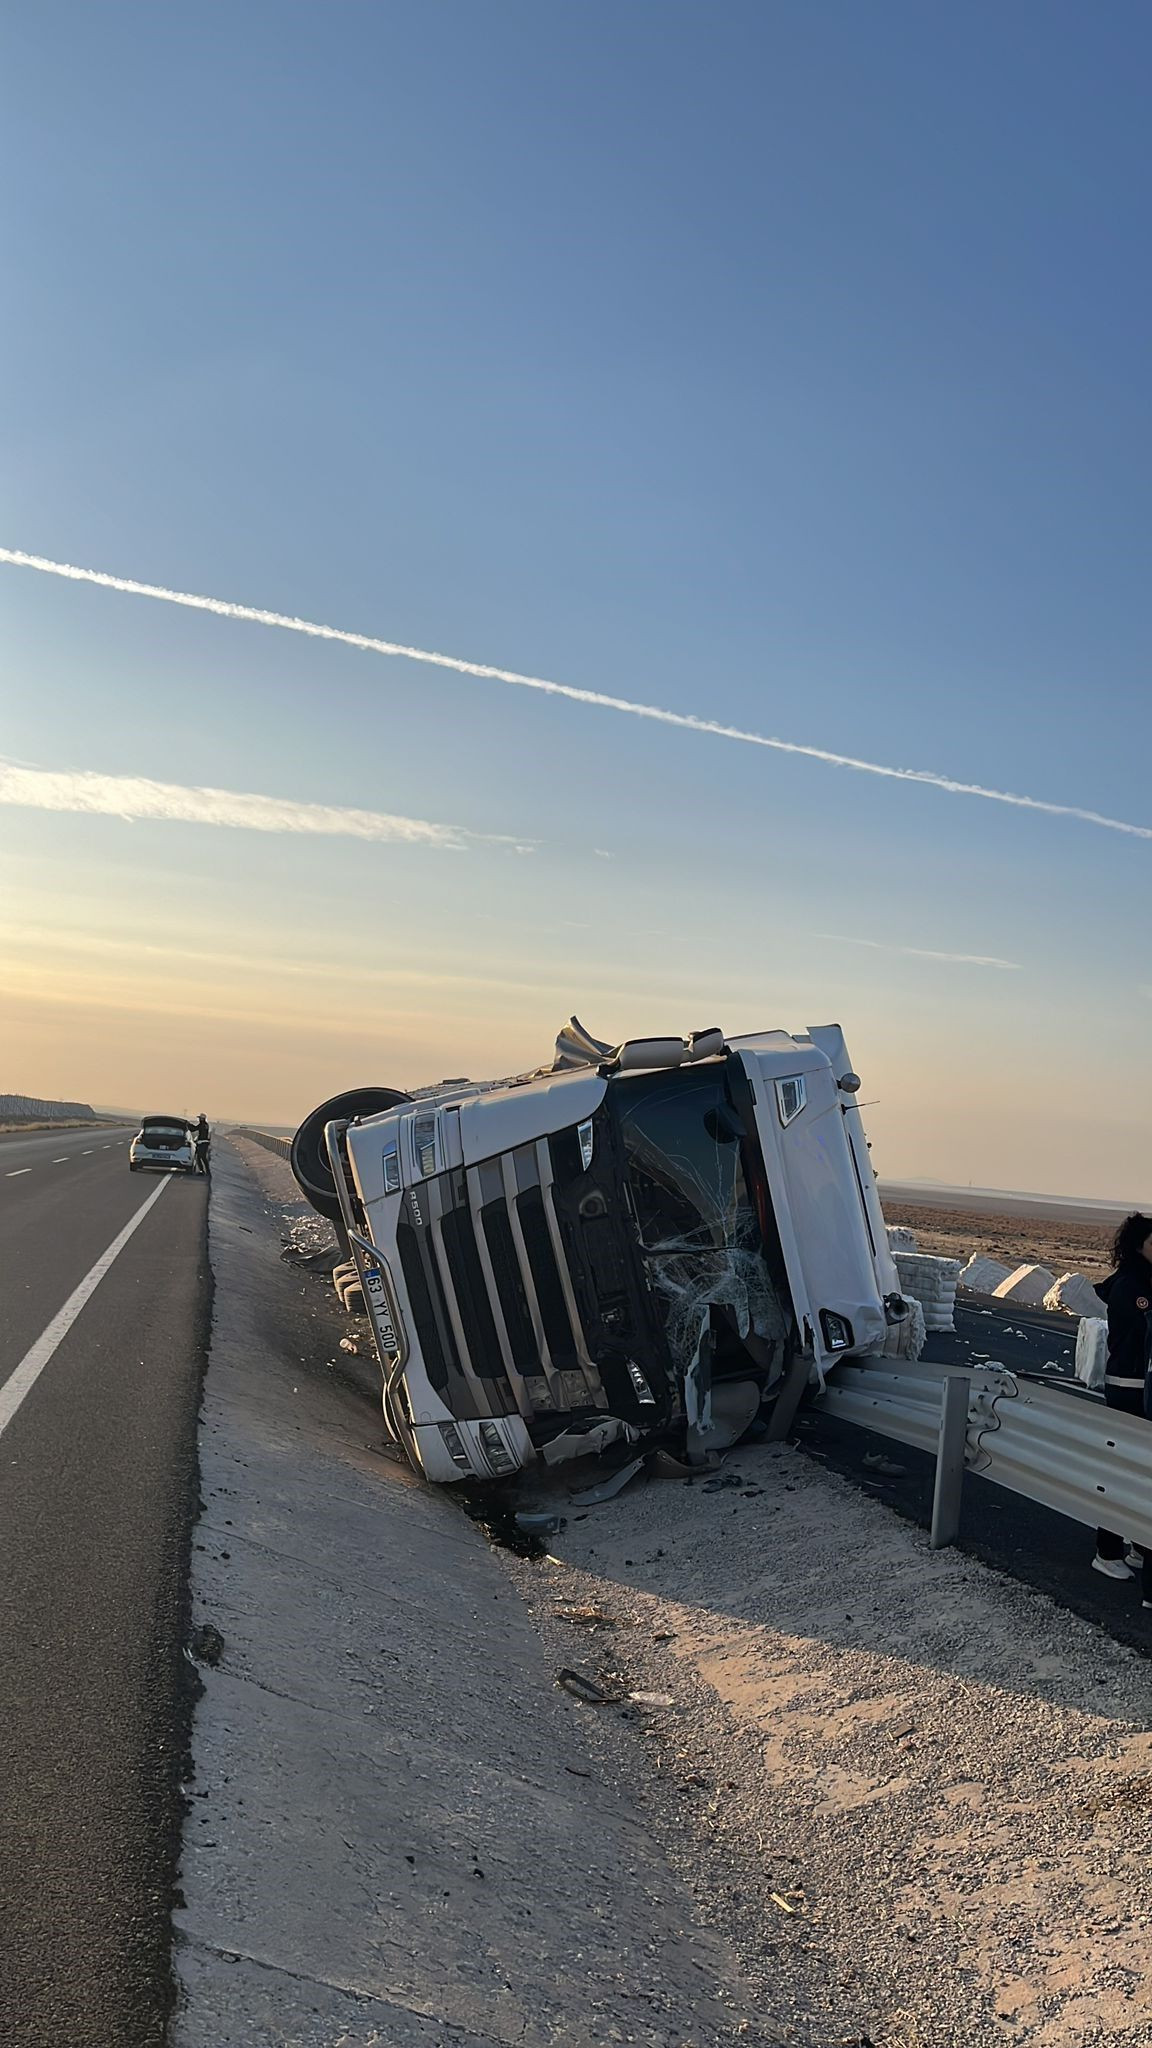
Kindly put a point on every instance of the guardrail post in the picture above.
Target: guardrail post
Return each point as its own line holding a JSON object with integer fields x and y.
{"x": 950, "y": 1454}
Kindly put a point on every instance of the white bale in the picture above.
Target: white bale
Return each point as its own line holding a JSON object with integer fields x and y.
{"x": 931, "y": 1282}
{"x": 900, "y": 1239}
{"x": 1091, "y": 1350}
{"x": 1075, "y": 1296}
{"x": 982, "y": 1275}
{"x": 906, "y": 1339}
{"x": 1026, "y": 1287}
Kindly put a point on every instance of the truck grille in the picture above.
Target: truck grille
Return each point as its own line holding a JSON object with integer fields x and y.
{"x": 546, "y": 1280}
{"x": 510, "y": 1287}
{"x": 478, "y": 1304}
{"x": 467, "y": 1276}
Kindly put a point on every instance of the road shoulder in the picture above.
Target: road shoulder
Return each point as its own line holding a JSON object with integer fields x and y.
{"x": 396, "y": 1830}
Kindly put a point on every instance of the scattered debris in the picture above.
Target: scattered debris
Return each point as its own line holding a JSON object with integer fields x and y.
{"x": 652, "y": 1699}
{"x": 350, "y": 1344}
{"x": 723, "y": 1482}
{"x": 585, "y": 1617}
{"x": 587, "y": 1439}
{"x": 206, "y": 1644}
{"x": 589, "y": 1690}
{"x": 595, "y": 1496}
{"x": 778, "y": 1899}
{"x": 501, "y": 1526}
{"x": 540, "y": 1524}
{"x": 877, "y": 1462}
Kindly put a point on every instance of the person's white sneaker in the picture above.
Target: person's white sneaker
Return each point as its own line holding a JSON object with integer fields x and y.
{"x": 1134, "y": 1557}
{"x": 1111, "y": 1567}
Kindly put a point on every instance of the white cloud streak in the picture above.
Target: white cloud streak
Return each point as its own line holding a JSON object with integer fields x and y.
{"x": 135, "y": 797}
{"x": 686, "y": 721}
{"x": 924, "y": 952}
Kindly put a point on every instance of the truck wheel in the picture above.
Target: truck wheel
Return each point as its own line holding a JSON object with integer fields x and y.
{"x": 308, "y": 1155}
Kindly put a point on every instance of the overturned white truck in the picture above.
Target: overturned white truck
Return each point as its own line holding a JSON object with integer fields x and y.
{"x": 587, "y": 1254}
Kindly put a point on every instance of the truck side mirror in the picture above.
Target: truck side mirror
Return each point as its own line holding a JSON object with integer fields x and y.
{"x": 723, "y": 1125}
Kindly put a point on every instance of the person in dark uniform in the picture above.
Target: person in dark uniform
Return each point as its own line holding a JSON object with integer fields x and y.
{"x": 203, "y": 1136}
{"x": 1127, "y": 1293}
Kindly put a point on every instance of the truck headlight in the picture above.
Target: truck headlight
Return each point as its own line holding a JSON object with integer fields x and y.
{"x": 587, "y": 1142}
{"x": 496, "y": 1450}
{"x": 644, "y": 1394}
{"x": 837, "y": 1330}
{"x": 453, "y": 1444}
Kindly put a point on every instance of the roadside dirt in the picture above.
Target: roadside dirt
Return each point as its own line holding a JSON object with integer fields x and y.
{"x": 916, "y": 1796}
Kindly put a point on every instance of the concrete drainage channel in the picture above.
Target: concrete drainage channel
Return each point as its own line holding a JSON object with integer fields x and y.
{"x": 868, "y": 1793}
{"x": 395, "y": 1830}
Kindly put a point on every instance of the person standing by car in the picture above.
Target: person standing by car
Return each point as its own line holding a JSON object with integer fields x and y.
{"x": 203, "y": 1137}
{"x": 1127, "y": 1293}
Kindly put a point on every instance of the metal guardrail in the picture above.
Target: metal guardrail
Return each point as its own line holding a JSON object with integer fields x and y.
{"x": 1071, "y": 1454}
{"x": 268, "y": 1139}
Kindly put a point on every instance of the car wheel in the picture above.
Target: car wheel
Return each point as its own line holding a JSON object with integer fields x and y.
{"x": 308, "y": 1157}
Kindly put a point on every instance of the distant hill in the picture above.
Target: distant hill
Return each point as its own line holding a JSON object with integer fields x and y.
{"x": 35, "y": 1109}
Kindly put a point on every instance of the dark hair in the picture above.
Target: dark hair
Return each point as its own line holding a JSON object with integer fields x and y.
{"x": 1131, "y": 1238}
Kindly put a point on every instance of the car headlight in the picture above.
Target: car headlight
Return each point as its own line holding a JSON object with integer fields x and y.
{"x": 838, "y": 1335}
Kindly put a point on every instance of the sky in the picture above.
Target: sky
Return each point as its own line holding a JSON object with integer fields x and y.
{"x": 782, "y": 367}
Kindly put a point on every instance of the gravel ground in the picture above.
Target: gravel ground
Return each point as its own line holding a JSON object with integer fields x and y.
{"x": 916, "y": 1796}
{"x": 301, "y": 1229}
{"x": 912, "y": 1796}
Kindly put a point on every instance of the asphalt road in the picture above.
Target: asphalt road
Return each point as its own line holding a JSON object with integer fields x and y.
{"x": 97, "y": 1471}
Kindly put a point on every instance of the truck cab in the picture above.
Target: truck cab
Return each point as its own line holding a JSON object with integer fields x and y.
{"x": 584, "y": 1255}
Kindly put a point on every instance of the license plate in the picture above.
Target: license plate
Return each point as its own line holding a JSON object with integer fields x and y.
{"x": 378, "y": 1307}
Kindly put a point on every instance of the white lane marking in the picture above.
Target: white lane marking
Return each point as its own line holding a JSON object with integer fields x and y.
{"x": 62, "y": 1161}
{"x": 105, "y": 1148}
{"x": 88, "y": 1153}
{"x": 16, "y": 1172}
{"x": 33, "y": 1362}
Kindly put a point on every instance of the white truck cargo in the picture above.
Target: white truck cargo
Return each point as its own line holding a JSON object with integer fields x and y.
{"x": 579, "y": 1256}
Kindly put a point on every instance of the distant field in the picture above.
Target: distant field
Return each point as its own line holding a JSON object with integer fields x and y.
{"x": 72, "y": 1123}
{"x": 1006, "y": 1202}
{"x": 1017, "y": 1229}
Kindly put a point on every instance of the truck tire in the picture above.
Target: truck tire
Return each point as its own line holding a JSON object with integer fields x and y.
{"x": 308, "y": 1156}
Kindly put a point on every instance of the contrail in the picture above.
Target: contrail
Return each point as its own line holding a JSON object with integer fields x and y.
{"x": 136, "y": 797}
{"x": 923, "y": 952}
{"x": 687, "y": 721}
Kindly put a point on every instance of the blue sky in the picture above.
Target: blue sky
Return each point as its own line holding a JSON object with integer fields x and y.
{"x": 779, "y": 364}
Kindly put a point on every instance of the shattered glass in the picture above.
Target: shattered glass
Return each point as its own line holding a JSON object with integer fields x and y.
{"x": 697, "y": 1221}
{"x": 692, "y": 1283}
